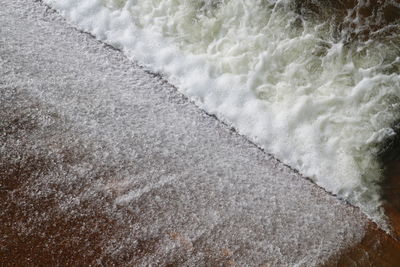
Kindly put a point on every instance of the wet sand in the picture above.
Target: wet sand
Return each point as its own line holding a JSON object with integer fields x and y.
{"x": 376, "y": 249}
{"x": 102, "y": 162}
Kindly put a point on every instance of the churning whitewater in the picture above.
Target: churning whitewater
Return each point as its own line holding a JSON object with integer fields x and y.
{"x": 306, "y": 83}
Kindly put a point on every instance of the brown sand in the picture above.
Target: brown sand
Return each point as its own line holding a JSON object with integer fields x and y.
{"x": 376, "y": 249}
{"x": 78, "y": 241}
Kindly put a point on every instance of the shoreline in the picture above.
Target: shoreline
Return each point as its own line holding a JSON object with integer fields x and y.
{"x": 196, "y": 191}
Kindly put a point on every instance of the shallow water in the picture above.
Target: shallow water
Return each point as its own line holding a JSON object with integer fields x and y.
{"x": 315, "y": 83}
{"x": 104, "y": 163}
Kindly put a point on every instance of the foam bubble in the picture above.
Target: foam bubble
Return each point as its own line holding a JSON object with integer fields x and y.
{"x": 293, "y": 85}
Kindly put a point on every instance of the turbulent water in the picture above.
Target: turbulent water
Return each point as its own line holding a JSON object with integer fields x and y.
{"x": 316, "y": 83}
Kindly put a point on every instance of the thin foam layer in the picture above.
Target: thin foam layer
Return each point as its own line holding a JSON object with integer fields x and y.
{"x": 318, "y": 102}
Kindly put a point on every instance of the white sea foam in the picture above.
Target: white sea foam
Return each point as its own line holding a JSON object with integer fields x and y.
{"x": 318, "y": 103}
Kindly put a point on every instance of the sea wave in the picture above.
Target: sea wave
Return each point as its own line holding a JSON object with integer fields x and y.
{"x": 315, "y": 83}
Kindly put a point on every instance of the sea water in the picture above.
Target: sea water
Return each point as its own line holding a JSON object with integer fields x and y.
{"x": 314, "y": 83}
